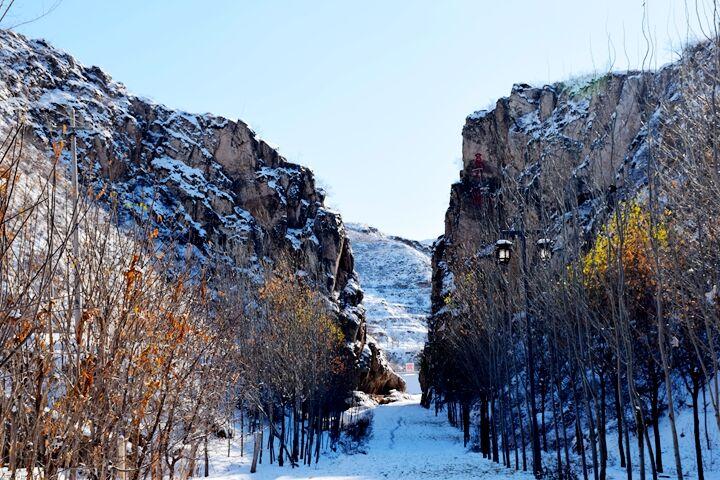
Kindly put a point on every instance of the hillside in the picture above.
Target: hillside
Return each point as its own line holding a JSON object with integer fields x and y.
{"x": 395, "y": 276}
{"x": 207, "y": 183}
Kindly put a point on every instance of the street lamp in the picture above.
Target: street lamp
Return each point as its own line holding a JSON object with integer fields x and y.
{"x": 544, "y": 249}
{"x": 503, "y": 251}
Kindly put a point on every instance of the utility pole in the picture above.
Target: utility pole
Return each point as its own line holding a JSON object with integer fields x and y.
{"x": 77, "y": 298}
{"x": 534, "y": 431}
{"x": 122, "y": 458}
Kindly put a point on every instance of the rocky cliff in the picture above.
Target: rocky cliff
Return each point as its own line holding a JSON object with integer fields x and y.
{"x": 568, "y": 151}
{"x": 208, "y": 183}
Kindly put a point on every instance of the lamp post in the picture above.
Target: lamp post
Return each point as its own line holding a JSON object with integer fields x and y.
{"x": 503, "y": 253}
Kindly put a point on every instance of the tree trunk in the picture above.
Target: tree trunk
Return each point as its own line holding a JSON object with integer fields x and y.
{"x": 619, "y": 415}
{"x": 318, "y": 440}
{"x": 281, "y": 461}
{"x": 513, "y": 430}
{"x": 655, "y": 413}
{"x": 493, "y": 429}
{"x": 484, "y": 429}
{"x": 651, "y": 456}
{"x": 466, "y": 423}
{"x": 503, "y": 432}
{"x": 641, "y": 448}
{"x": 593, "y": 436}
{"x": 696, "y": 430}
{"x": 707, "y": 435}
{"x": 522, "y": 427}
{"x": 601, "y": 429}
{"x": 242, "y": 432}
{"x": 257, "y": 446}
{"x": 579, "y": 441}
{"x": 302, "y": 431}
{"x": 543, "y": 428}
{"x": 296, "y": 433}
{"x": 557, "y": 436}
{"x": 206, "y": 456}
{"x": 628, "y": 454}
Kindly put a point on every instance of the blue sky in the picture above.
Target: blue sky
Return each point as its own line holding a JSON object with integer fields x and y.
{"x": 371, "y": 95}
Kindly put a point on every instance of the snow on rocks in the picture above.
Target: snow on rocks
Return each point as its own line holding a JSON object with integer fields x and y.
{"x": 209, "y": 185}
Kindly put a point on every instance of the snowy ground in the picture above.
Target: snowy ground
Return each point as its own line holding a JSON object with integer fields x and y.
{"x": 407, "y": 442}
{"x": 411, "y": 443}
{"x": 395, "y": 276}
{"x": 684, "y": 424}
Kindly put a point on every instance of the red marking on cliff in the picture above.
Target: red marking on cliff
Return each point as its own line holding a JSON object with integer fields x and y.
{"x": 479, "y": 162}
{"x": 478, "y": 166}
{"x": 480, "y": 196}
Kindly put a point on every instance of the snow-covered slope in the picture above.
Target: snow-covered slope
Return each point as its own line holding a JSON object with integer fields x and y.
{"x": 395, "y": 275}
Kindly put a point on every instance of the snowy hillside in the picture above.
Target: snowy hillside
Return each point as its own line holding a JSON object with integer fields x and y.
{"x": 207, "y": 184}
{"x": 395, "y": 276}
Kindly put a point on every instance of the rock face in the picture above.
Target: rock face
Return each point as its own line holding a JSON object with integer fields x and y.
{"x": 395, "y": 276}
{"x": 209, "y": 184}
{"x": 380, "y": 377}
{"x": 558, "y": 140}
{"x": 572, "y": 149}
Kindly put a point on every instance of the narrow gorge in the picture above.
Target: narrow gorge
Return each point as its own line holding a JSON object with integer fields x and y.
{"x": 178, "y": 299}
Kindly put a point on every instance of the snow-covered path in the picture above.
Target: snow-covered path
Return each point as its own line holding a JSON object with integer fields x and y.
{"x": 408, "y": 442}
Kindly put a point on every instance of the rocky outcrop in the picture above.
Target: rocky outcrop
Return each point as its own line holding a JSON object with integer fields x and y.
{"x": 571, "y": 149}
{"x": 208, "y": 184}
{"x": 557, "y": 140}
{"x": 379, "y": 378}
